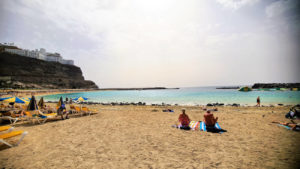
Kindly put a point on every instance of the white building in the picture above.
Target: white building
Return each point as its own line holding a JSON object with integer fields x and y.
{"x": 16, "y": 51}
{"x": 40, "y": 54}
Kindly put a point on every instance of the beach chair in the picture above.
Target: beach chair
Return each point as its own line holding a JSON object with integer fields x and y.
{"x": 12, "y": 119}
{"x": 6, "y": 128}
{"x": 78, "y": 110}
{"x": 5, "y": 136}
{"x": 72, "y": 108}
{"x": 40, "y": 117}
{"x": 85, "y": 110}
{"x": 45, "y": 117}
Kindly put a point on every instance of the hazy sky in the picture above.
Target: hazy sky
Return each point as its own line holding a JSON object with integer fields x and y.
{"x": 171, "y": 43}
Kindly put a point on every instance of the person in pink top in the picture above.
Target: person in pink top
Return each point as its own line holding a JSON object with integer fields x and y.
{"x": 184, "y": 120}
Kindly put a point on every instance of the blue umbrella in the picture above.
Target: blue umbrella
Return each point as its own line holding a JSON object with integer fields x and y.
{"x": 80, "y": 99}
{"x": 14, "y": 99}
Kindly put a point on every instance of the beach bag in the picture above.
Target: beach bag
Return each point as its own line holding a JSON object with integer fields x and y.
{"x": 290, "y": 115}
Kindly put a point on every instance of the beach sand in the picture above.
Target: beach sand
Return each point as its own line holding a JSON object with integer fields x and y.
{"x": 142, "y": 137}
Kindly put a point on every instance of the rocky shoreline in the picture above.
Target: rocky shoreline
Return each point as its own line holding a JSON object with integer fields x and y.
{"x": 165, "y": 104}
{"x": 276, "y": 85}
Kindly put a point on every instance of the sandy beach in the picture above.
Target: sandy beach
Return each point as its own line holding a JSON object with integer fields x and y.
{"x": 142, "y": 137}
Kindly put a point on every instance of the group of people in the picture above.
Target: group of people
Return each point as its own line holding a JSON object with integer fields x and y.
{"x": 62, "y": 111}
{"x": 208, "y": 119}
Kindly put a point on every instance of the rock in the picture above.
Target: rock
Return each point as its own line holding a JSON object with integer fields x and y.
{"x": 280, "y": 104}
{"x": 235, "y": 105}
{"x": 209, "y": 104}
{"x": 276, "y": 85}
{"x": 34, "y": 73}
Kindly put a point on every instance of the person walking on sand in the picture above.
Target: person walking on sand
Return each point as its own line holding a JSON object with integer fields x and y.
{"x": 258, "y": 101}
{"x": 184, "y": 121}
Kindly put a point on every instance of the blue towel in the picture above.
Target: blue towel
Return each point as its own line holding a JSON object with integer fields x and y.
{"x": 202, "y": 126}
{"x": 287, "y": 127}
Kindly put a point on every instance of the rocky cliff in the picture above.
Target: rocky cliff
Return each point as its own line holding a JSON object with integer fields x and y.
{"x": 23, "y": 72}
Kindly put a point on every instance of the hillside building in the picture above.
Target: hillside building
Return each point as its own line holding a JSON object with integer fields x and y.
{"x": 37, "y": 54}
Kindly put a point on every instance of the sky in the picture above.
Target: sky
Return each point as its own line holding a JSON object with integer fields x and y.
{"x": 169, "y": 43}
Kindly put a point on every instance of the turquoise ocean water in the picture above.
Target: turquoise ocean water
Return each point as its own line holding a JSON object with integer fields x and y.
{"x": 186, "y": 96}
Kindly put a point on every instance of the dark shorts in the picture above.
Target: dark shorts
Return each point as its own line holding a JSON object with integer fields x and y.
{"x": 185, "y": 127}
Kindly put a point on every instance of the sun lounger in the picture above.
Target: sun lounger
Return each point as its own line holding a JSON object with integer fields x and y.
{"x": 85, "y": 110}
{"x": 12, "y": 120}
{"x": 6, "y": 128}
{"x": 77, "y": 109}
{"x": 45, "y": 117}
{"x": 5, "y": 136}
{"x": 72, "y": 108}
{"x": 39, "y": 117}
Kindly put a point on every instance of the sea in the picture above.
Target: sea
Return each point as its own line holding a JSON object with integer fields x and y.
{"x": 185, "y": 96}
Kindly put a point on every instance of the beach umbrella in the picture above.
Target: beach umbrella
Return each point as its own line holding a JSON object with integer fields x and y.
{"x": 41, "y": 102}
{"x": 32, "y": 104}
{"x": 60, "y": 102}
{"x": 26, "y": 98}
{"x": 81, "y": 99}
{"x": 14, "y": 100}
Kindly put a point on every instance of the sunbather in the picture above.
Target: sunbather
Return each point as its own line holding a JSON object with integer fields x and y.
{"x": 209, "y": 119}
{"x": 294, "y": 126}
{"x": 210, "y": 122}
{"x": 184, "y": 121}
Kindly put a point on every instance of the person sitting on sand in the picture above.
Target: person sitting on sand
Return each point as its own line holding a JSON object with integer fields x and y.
{"x": 184, "y": 121}
{"x": 209, "y": 119}
{"x": 294, "y": 126}
{"x": 61, "y": 111}
{"x": 210, "y": 122}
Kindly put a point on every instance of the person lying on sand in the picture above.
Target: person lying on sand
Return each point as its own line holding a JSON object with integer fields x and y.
{"x": 215, "y": 109}
{"x": 294, "y": 126}
{"x": 184, "y": 121}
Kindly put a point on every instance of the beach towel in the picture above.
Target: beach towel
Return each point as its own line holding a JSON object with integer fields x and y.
{"x": 287, "y": 127}
{"x": 199, "y": 125}
{"x": 194, "y": 125}
{"x": 218, "y": 129}
{"x": 290, "y": 128}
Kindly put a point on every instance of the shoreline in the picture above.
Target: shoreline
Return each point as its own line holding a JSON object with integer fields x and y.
{"x": 46, "y": 92}
{"x": 176, "y": 105}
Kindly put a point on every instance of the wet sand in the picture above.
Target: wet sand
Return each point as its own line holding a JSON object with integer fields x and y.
{"x": 142, "y": 137}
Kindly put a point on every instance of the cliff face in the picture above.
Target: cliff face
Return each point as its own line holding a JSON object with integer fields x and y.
{"x": 22, "y": 72}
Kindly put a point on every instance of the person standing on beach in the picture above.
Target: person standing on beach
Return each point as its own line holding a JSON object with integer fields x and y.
{"x": 184, "y": 120}
{"x": 258, "y": 101}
